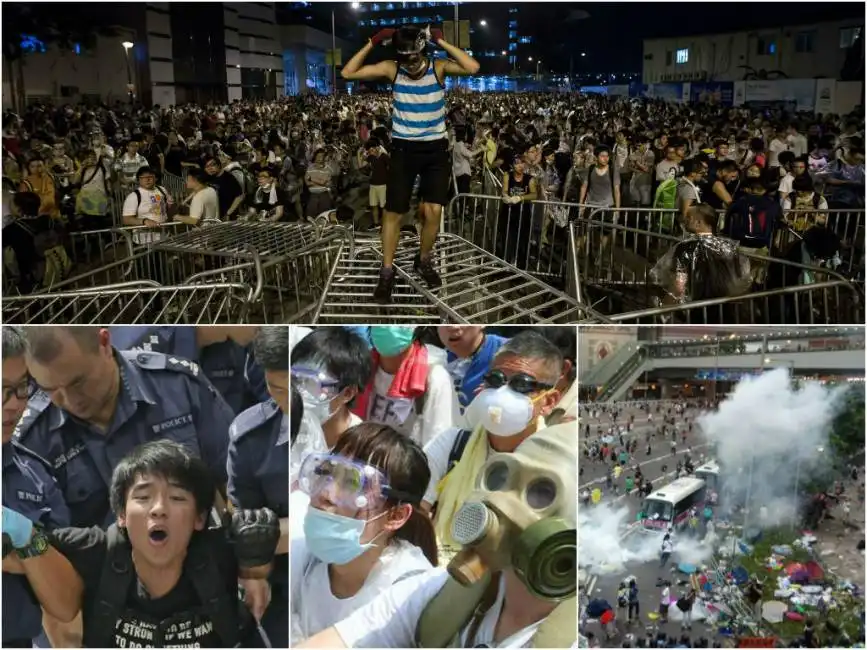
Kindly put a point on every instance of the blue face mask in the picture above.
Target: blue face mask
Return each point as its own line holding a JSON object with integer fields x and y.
{"x": 390, "y": 341}
{"x": 334, "y": 539}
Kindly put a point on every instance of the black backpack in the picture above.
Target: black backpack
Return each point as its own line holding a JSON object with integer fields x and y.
{"x": 223, "y": 609}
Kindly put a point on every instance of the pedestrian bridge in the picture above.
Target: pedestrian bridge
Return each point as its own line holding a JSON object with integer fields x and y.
{"x": 617, "y": 373}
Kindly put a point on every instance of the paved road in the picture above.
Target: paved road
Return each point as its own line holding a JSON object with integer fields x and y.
{"x": 602, "y": 580}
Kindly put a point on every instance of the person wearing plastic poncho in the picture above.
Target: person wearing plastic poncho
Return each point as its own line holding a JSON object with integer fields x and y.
{"x": 514, "y": 582}
{"x": 518, "y": 391}
{"x": 363, "y": 531}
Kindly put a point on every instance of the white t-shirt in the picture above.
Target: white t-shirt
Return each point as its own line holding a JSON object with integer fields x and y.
{"x": 205, "y": 204}
{"x": 441, "y": 407}
{"x": 390, "y": 621}
{"x": 774, "y": 149}
{"x": 316, "y": 608}
{"x": 153, "y": 206}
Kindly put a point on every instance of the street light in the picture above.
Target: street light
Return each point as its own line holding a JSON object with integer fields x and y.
{"x": 483, "y": 22}
{"x": 503, "y": 53}
{"x": 127, "y": 46}
{"x": 583, "y": 53}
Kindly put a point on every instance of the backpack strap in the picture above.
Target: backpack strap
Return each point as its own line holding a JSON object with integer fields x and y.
{"x": 458, "y": 447}
{"x": 221, "y": 607}
{"x": 114, "y": 583}
{"x": 452, "y": 609}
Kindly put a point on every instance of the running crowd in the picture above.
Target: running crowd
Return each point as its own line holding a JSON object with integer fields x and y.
{"x": 144, "y": 487}
{"x": 418, "y": 464}
{"x": 78, "y": 167}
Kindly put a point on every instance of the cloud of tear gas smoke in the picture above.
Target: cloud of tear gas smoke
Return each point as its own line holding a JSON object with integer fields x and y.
{"x": 604, "y": 547}
{"x": 776, "y": 428}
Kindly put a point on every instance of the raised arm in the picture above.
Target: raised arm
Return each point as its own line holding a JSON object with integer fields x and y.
{"x": 354, "y": 70}
{"x": 462, "y": 65}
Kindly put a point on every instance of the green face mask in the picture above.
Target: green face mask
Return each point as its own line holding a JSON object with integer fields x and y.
{"x": 390, "y": 341}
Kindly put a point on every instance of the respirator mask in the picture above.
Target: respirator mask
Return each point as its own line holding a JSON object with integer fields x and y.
{"x": 410, "y": 55}
{"x": 523, "y": 515}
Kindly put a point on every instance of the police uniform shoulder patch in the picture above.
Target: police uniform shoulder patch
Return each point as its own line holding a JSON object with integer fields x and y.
{"x": 160, "y": 361}
{"x": 26, "y": 451}
{"x": 252, "y": 418}
{"x": 36, "y": 406}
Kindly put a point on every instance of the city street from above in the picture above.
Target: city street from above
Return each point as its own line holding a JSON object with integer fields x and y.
{"x": 721, "y": 496}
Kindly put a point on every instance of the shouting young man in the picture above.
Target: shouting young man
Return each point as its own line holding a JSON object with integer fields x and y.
{"x": 157, "y": 577}
{"x": 419, "y": 144}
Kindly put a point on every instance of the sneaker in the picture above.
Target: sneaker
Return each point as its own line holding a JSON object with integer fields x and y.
{"x": 427, "y": 271}
{"x": 382, "y": 293}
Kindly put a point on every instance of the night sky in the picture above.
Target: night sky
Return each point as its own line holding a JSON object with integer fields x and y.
{"x": 612, "y": 35}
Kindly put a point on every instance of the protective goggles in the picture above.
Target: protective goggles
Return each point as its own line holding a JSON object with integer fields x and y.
{"x": 314, "y": 383}
{"x": 346, "y": 482}
{"x": 520, "y": 383}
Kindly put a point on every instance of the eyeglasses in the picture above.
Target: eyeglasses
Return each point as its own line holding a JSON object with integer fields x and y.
{"x": 520, "y": 383}
{"x": 24, "y": 390}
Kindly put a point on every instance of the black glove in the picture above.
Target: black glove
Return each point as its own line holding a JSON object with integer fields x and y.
{"x": 255, "y": 534}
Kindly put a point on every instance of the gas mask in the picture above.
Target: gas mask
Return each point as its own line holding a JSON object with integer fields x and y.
{"x": 410, "y": 56}
{"x": 523, "y": 515}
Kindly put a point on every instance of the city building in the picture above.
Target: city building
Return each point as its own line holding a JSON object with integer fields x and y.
{"x": 306, "y": 67}
{"x": 816, "y": 51}
{"x": 164, "y": 53}
{"x": 498, "y": 40}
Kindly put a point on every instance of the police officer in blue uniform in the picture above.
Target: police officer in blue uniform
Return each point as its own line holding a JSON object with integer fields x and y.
{"x": 97, "y": 404}
{"x": 258, "y": 466}
{"x": 28, "y": 488}
{"x": 221, "y": 352}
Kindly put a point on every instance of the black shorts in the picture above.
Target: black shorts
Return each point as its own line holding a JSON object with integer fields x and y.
{"x": 430, "y": 160}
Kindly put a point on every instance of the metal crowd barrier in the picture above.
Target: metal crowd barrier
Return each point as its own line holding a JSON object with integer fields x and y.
{"x": 527, "y": 235}
{"x": 477, "y": 287}
{"x": 225, "y": 273}
{"x": 622, "y": 257}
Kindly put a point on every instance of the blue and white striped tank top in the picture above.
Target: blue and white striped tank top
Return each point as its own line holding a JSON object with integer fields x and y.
{"x": 419, "y": 107}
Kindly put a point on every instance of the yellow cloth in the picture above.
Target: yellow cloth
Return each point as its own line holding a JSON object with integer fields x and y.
{"x": 459, "y": 483}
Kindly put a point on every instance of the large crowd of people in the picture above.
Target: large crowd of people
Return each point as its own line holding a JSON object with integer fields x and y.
{"x": 788, "y": 183}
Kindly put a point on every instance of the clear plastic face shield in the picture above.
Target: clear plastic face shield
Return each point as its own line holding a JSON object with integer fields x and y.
{"x": 348, "y": 484}
{"x": 317, "y": 388}
{"x": 411, "y": 57}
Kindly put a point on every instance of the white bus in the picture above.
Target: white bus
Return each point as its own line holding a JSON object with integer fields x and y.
{"x": 709, "y": 473}
{"x": 669, "y": 506}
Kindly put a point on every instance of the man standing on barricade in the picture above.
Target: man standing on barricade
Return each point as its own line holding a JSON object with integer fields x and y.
{"x": 419, "y": 142}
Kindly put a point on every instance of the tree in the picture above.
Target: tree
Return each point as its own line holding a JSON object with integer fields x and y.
{"x": 847, "y": 433}
{"x": 51, "y": 24}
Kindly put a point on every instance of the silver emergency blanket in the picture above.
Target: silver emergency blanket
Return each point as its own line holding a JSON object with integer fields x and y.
{"x": 703, "y": 268}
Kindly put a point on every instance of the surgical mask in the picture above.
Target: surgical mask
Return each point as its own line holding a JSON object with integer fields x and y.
{"x": 390, "y": 340}
{"x": 321, "y": 411}
{"x": 523, "y": 515}
{"x": 500, "y": 411}
{"x": 335, "y": 539}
